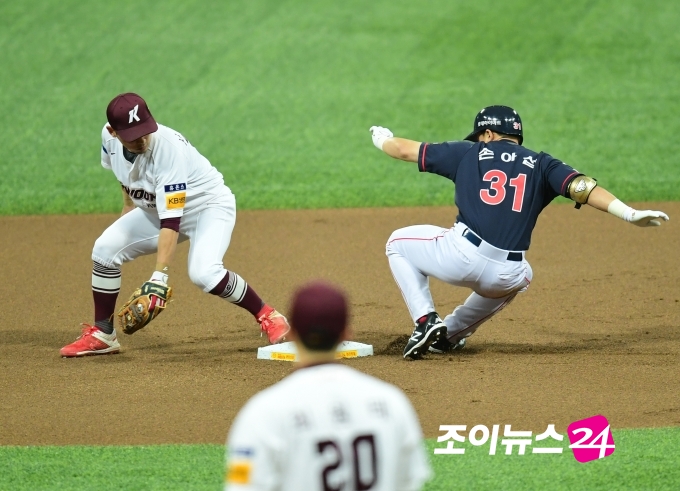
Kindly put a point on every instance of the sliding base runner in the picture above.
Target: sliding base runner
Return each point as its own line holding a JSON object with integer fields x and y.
{"x": 501, "y": 188}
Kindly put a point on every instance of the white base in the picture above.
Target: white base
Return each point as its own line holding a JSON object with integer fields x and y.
{"x": 288, "y": 351}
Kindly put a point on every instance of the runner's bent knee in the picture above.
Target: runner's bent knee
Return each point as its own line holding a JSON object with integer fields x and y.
{"x": 505, "y": 283}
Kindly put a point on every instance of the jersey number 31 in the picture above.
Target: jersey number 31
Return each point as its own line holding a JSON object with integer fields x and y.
{"x": 496, "y": 192}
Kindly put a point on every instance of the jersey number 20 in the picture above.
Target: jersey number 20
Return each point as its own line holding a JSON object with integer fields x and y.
{"x": 496, "y": 192}
{"x": 363, "y": 452}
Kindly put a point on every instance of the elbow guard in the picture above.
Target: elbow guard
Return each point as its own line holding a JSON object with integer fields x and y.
{"x": 580, "y": 188}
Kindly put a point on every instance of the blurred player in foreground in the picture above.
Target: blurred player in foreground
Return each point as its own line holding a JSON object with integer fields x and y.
{"x": 335, "y": 428}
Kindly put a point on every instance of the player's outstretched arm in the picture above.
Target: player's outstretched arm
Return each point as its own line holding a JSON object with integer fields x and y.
{"x": 603, "y": 200}
{"x": 398, "y": 148}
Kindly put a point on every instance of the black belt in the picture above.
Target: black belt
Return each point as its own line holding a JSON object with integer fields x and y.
{"x": 475, "y": 240}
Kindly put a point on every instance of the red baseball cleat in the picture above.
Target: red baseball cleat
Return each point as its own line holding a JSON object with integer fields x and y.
{"x": 274, "y": 324}
{"x": 92, "y": 341}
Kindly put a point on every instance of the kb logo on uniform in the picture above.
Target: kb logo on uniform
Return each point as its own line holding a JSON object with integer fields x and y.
{"x": 133, "y": 114}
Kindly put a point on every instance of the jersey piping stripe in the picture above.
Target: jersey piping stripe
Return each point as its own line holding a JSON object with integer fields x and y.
{"x": 422, "y": 161}
{"x": 565, "y": 181}
{"x": 418, "y": 238}
{"x": 104, "y": 148}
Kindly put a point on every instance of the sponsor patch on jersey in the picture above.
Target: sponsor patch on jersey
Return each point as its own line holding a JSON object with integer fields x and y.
{"x": 239, "y": 472}
{"x": 171, "y": 188}
{"x": 175, "y": 200}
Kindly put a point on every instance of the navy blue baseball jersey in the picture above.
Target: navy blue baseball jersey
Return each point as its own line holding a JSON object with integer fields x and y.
{"x": 501, "y": 187}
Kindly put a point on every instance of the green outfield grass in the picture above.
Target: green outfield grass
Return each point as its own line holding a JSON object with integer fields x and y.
{"x": 279, "y": 95}
{"x": 643, "y": 460}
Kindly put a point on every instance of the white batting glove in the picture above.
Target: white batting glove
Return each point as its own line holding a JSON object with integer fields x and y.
{"x": 379, "y": 135}
{"x": 641, "y": 218}
{"x": 159, "y": 277}
{"x": 644, "y": 218}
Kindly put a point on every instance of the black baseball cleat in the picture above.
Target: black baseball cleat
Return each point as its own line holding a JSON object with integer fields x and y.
{"x": 426, "y": 332}
{"x": 443, "y": 345}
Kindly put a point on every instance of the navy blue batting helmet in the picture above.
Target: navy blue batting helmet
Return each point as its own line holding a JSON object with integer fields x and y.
{"x": 500, "y": 119}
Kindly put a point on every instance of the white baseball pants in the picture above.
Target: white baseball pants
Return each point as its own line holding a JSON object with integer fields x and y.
{"x": 208, "y": 230}
{"x": 420, "y": 251}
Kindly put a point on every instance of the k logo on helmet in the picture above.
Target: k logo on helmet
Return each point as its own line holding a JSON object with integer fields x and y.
{"x": 133, "y": 114}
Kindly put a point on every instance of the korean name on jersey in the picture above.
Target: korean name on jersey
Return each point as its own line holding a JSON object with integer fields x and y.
{"x": 501, "y": 187}
{"x": 335, "y": 428}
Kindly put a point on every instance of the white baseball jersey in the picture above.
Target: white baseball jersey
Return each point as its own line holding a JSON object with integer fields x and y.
{"x": 327, "y": 427}
{"x": 171, "y": 177}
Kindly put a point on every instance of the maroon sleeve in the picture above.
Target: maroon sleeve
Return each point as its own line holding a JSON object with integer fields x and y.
{"x": 171, "y": 223}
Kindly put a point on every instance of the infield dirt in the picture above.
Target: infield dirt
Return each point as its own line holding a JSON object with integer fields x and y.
{"x": 598, "y": 331}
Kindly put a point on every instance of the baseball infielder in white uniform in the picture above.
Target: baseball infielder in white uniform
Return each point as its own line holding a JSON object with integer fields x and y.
{"x": 335, "y": 428}
{"x": 171, "y": 193}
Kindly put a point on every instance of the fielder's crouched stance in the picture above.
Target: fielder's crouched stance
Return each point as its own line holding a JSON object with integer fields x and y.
{"x": 501, "y": 188}
{"x": 171, "y": 194}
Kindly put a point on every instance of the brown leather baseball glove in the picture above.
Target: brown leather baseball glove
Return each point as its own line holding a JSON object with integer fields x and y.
{"x": 145, "y": 304}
